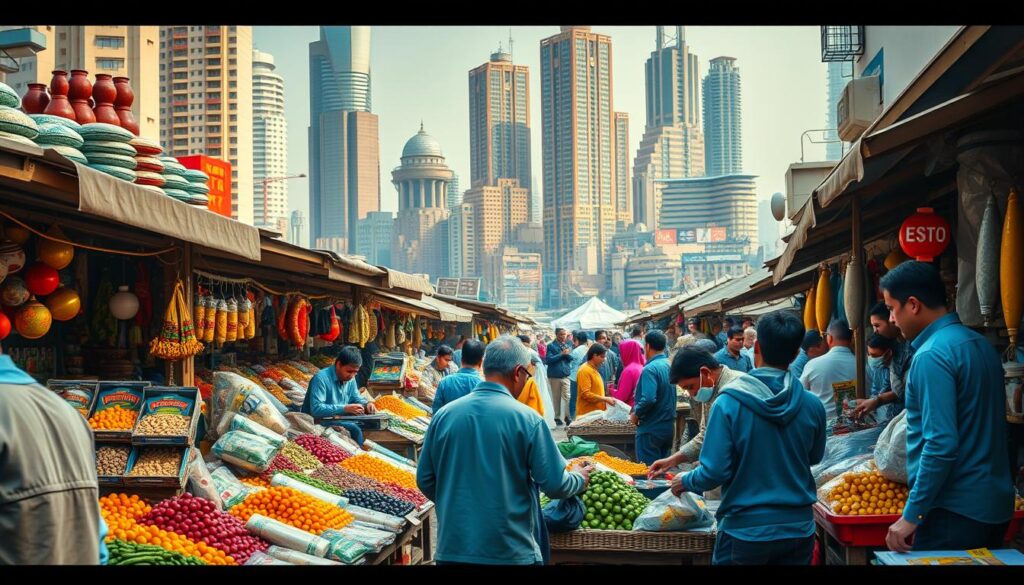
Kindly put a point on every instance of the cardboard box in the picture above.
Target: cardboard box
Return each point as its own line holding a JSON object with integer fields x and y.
{"x": 176, "y": 482}
{"x": 113, "y": 393}
{"x": 169, "y": 400}
{"x": 113, "y": 480}
{"x": 80, "y": 394}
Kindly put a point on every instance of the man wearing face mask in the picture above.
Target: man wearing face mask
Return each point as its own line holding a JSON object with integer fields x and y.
{"x": 695, "y": 370}
{"x": 897, "y": 363}
{"x": 883, "y": 392}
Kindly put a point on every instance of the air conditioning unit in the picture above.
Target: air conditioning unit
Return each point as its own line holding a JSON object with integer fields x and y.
{"x": 858, "y": 107}
{"x": 801, "y": 180}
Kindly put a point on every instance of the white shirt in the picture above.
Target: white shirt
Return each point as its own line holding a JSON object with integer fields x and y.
{"x": 749, "y": 353}
{"x": 838, "y": 365}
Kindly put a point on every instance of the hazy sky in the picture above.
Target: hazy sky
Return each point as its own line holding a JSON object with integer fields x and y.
{"x": 421, "y": 72}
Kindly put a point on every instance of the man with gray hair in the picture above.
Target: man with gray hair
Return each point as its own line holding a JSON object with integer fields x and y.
{"x": 836, "y": 366}
{"x": 481, "y": 458}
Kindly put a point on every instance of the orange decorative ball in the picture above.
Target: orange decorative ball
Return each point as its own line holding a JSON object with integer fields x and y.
{"x": 17, "y": 234}
{"x": 64, "y": 304}
{"x": 33, "y": 320}
{"x": 55, "y": 254}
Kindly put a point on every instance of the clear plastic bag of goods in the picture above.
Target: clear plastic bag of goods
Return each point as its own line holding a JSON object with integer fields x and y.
{"x": 342, "y": 440}
{"x": 236, "y": 422}
{"x": 374, "y": 538}
{"x": 231, "y": 491}
{"x": 669, "y": 513}
{"x": 867, "y": 465}
{"x": 402, "y": 466}
{"x": 301, "y": 421}
{"x": 287, "y": 536}
{"x": 297, "y": 558}
{"x": 376, "y": 519}
{"x": 343, "y": 548}
{"x": 261, "y": 558}
{"x": 247, "y": 399}
{"x": 839, "y": 448}
{"x": 825, "y": 475}
{"x": 245, "y": 450}
{"x": 200, "y": 483}
{"x": 618, "y": 412}
{"x": 283, "y": 480}
{"x": 891, "y": 450}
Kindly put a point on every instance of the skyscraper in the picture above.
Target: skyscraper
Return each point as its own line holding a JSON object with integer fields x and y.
{"x": 461, "y": 241}
{"x": 420, "y": 240}
{"x": 728, "y": 201}
{"x": 454, "y": 192}
{"x": 298, "y": 221}
{"x": 839, "y": 73}
{"x": 723, "y": 146}
{"x": 344, "y": 143}
{"x": 672, "y": 146}
{"x": 623, "y": 205}
{"x": 579, "y": 155}
{"x": 374, "y": 233}
{"x": 206, "y": 101}
{"x": 498, "y": 211}
{"x": 269, "y": 144}
{"x": 120, "y": 51}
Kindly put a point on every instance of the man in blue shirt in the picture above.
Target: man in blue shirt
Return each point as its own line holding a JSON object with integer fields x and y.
{"x": 812, "y": 346}
{"x": 731, "y": 355}
{"x": 482, "y": 457}
{"x": 333, "y": 391}
{"x": 558, "y": 361}
{"x": 654, "y": 408}
{"x": 462, "y": 382}
{"x": 722, "y": 337}
{"x": 763, "y": 435}
{"x": 961, "y": 493}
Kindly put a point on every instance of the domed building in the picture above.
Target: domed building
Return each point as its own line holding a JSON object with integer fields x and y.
{"x": 420, "y": 240}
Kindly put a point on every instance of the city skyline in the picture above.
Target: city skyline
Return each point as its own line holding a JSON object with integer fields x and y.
{"x": 419, "y": 73}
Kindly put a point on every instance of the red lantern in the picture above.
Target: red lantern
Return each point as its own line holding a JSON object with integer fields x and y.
{"x": 925, "y": 235}
{"x": 5, "y": 326}
{"x": 41, "y": 279}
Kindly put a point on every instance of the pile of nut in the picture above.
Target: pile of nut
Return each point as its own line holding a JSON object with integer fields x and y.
{"x": 164, "y": 424}
{"x": 157, "y": 462}
{"x": 112, "y": 460}
{"x": 601, "y": 423}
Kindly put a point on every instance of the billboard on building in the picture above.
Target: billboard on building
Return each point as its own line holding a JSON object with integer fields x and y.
{"x": 711, "y": 234}
{"x": 665, "y": 237}
{"x": 219, "y": 172}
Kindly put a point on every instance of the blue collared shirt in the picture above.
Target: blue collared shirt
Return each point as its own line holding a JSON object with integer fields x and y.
{"x": 328, "y": 396}
{"x": 956, "y": 426}
{"x": 737, "y": 364}
{"x": 655, "y": 396}
{"x": 482, "y": 457}
{"x": 579, "y": 355}
{"x": 12, "y": 374}
{"x": 456, "y": 386}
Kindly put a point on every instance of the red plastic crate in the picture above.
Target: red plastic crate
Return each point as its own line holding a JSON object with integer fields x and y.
{"x": 870, "y": 531}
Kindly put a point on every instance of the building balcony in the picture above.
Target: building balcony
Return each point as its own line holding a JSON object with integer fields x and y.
{"x": 211, "y": 101}
{"x": 179, "y": 35}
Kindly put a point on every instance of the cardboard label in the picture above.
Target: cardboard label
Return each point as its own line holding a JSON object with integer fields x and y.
{"x": 124, "y": 396}
{"x": 169, "y": 404}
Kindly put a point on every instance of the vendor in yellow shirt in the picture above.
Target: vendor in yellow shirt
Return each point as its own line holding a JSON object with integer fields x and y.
{"x": 590, "y": 386}
{"x": 530, "y": 396}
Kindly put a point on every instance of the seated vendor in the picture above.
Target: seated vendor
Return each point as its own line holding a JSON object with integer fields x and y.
{"x": 438, "y": 369}
{"x": 333, "y": 391}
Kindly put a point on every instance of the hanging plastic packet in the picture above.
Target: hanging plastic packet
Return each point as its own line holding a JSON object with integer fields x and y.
{"x": 231, "y": 329}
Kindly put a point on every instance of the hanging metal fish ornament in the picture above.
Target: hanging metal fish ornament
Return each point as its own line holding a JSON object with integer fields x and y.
{"x": 987, "y": 262}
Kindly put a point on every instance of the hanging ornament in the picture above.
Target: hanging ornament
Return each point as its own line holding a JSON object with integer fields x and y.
{"x": 895, "y": 258}
{"x": 177, "y": 339}
{"x": 17, "y": 234}
{"x": 41, "y": 279}
{"x": 12, "y": 256}
{"x": 124, "y": 305}
{"x": 33, "y": 320}
{"x": 1011, "y": 272}
{"x": 5, "y": 326}
{"x": 64, "y": 304}
{"x": 56, "y": 254}
{"x": 14, "y": 292}
{"x": 823, "y": 300}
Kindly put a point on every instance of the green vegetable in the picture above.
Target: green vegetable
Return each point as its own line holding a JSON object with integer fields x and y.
{"x": 611, "y": 503}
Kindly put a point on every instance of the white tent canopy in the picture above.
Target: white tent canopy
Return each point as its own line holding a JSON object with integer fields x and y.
{"x": 593, "y": 314}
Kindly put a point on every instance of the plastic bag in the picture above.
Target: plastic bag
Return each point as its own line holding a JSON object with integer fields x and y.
{"x": 564, "y": 515}
{"x": 301, "y": 422}
{"x": 343, "y": 548}
{"x": 839, "y": 448}
{"x": 891, "y": 450}
{"x": 281, "y": 534}
{"x": 200, "y": 483}
{"x": 618, "y": 412}
{"x": 236, "y": 422}
{"x": 231, "y": 491}
{"x": 823, "y": 490}
{"x": 668, "y": 513}
{"x": 372, "y": 537}
{"x": 297, "y": 558}
{"x": 825, "y": 475}
{"x": 577, "y": 447}
{"x": 261, "y": 558}
{"x": 233, "y": 393}
{"x": 244, "y": 450}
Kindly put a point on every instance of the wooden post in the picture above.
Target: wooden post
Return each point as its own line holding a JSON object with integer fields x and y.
{"x": 859, "y": 342}
{"x": 188, "y": 365}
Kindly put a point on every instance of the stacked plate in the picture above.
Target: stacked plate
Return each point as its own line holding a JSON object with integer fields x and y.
{"x": 9, "y": 97}
{"x": 15, "y": 125}
{"x": 108, "y": 150}
{"x": 197, "y": 187}
{"x": 62, "y": 139}
{"x": 148, "y": 166}
{"x": 176, "y": 183}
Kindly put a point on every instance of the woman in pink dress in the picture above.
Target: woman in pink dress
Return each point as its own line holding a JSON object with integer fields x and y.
{"x": 633, "y": 364}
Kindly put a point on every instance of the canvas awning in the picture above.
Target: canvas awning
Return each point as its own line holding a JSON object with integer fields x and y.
{"x": 430, "y": 307}
{"x": 593, "y": 314}
{"x": 713, "y": 301}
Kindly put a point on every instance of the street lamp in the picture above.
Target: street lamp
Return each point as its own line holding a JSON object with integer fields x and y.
{"x": 266, "y": 181}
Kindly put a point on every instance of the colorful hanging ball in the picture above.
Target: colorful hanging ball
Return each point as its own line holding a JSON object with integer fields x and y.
{"x": 124, "y": 305}
{"x": 33, "y": 320}
{"x": 56, "y": 254}
{"x": 42, "y": 279}
{"x": 14, "y": 291}
{"x": 64, "y": 304}
{"x": 5, "y": 326}
{"x": 12, "y": 256}
{"x": 17, "y": 234}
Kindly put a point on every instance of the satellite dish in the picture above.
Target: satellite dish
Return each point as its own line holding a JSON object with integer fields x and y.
{"x": 779, "y": 206}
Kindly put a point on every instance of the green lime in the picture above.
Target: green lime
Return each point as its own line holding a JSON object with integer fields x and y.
{"x": 585, "y": 524}
{"x": 618, "y": 518}
{"x": 590, "y": 516}
{"x": 604, "y": 512}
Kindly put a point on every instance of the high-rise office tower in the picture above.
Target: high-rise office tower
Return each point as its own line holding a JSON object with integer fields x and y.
{"x": 723, "y": 145}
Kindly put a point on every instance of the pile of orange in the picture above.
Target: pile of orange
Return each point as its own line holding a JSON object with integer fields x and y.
{"x": 293, "y": 508}
{"x": 120, "y": 511}
{"x": 255, "y": 481}
{"x": 116, "y": 418}
{"x": 620, "y": 465}
{"x": 867, "y": 493}
{"x": 381, "y": 471}
{"x": 398, "y": 407}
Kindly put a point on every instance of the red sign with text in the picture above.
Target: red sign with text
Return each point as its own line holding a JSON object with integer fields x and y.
{"x": 925, "y": 235}
{"x": 220, "y": 180}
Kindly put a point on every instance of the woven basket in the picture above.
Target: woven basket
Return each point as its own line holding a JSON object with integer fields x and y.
{"x": 634, "y": 540}
{"x": 624, "y": 430}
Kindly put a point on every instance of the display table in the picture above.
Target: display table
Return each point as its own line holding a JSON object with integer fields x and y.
{"x": 632, "y": 547}
{"x": 397, "y": 443}
{"x": 417, "y": 536}
{"x": 621, "y": 437}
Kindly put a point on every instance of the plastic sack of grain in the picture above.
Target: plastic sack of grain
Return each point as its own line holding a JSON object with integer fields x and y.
{"x": 234, "y": 393}
{"x": 287, "y": 536}
{"x": 245, "y": 450}
{"x": 343, "y": 548}
{"x": 297, "y": 558}
{"x": 372, "y": 537}
{"x": 240, "y": 423}
{"x": 283, "y": 480}
{"x": 232, "y": 492}
{"x": 376, "y": 519}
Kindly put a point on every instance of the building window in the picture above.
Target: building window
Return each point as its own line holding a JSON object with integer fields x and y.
{"x": 211, "y": 62}
{"x": 111, "y": 64}
{"x": 110, "y": 42}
